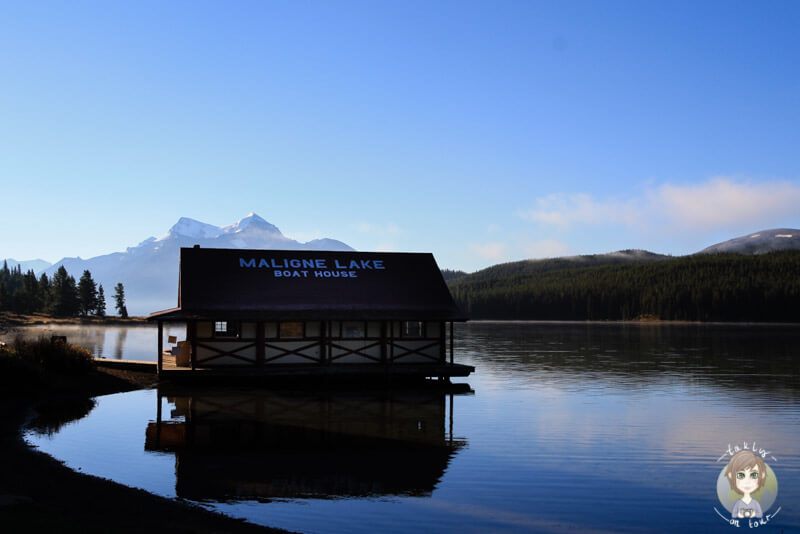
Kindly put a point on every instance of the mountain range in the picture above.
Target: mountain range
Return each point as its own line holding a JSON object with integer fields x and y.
{"x": 149, "y": 271}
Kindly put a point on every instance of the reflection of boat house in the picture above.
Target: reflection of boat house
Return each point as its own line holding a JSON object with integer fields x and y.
{"x": 258, "y": 444}
{"x": 309, "y": 313}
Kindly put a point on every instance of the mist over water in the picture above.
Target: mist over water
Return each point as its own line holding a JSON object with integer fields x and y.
{"x": 116, "y": 342}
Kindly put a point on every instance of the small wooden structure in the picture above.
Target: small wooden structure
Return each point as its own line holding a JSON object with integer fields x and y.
{"x": 289, "y": 313}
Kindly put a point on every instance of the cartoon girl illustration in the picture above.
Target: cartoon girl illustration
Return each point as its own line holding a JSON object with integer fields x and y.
{"x": 746, "y": 472}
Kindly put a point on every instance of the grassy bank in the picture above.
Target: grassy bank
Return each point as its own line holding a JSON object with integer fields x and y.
{"x": 30, "y": 319}
{"x": 44, "y": 385}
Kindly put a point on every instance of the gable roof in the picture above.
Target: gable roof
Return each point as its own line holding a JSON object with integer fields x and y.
{"x": 301, "y": 284}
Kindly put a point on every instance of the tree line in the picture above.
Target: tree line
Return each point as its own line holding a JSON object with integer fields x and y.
{"x": 711, "y": 287}
{"x": 61, "y": 295}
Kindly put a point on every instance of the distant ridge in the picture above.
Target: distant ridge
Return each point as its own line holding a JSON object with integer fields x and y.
{"x": 36, "y": 265}
{"x": 525, "y": 268}
{"x": 758, "y": 242}
{"x": 749, "y": 278}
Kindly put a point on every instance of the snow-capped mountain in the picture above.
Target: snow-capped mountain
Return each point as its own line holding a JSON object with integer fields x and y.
{"x": 759, "y": 242}
{"x": 149, "y": 271}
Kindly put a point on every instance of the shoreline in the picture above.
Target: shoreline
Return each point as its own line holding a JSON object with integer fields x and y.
{"x": 654, "y": 322}
{"x": 38, "y": 492}
{"x": 10, "y": 319}
{"x": 34, "y": 319}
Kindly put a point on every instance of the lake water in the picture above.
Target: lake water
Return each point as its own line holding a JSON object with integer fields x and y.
{"x": 116, "y": 342}
{"x": 591, "y": 427}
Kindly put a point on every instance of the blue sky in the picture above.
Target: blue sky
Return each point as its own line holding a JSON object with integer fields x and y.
{"x": 479, "y": 131}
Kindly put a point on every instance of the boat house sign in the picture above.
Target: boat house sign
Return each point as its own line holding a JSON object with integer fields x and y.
{"x": 312, "y": 267}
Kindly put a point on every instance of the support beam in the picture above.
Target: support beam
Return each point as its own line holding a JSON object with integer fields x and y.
{"x": 323, "y": 341}
{"x": 260, "y": 349}
{"x": 384, "y": 341}
{"x": 452, "y": 330}
{"x": 158, "y": 418}
{"x": 442, "y": 348}
{"x": 160, "y": 346}
{"x": 192, "y": 334}
{"x": 451, "y": 419}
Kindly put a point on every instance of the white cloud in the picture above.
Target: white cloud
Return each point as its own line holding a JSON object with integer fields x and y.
{"x": 489, "y": 251}
{"x": 565, "y": 210}
{"x": 718, "y": 203}
{"x": 386, "y": 246}
{"x": 722, "y": 202}
{"x": 545, "y": 249}
{"x": 380, "y": 229}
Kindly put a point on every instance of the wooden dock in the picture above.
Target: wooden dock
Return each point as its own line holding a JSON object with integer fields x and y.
{"x": 128, "y": 365}
{"x": 368, "y": 371}
{"x": 291, "y": 372}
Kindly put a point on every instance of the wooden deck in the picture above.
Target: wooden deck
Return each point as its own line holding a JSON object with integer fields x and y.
{"x": 128, "y": 365}
{"x": 310, "y": 371}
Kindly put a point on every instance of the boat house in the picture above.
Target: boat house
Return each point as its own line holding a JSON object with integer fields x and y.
{"x": 292, "y": 313}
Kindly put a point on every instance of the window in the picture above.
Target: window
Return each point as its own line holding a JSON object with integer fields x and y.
{"x": 353, "y": 329}
{"x": 226, "y": 329}
{"x": 270, "y": 330}
{"x": 312, "y": 329}
{"x": 248, "y": 330}
{"x": 432, "y": 329}
{"x": 373, "y": 329}
{"x": 412, "y": 329}
{"x": 289, "y": 330}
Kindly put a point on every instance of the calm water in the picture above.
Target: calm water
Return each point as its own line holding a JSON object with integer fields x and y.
{"x": 589, "y": 427}
{"x": 115, "y": 342}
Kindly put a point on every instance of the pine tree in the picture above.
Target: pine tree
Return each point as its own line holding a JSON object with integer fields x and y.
{"x": 44, "y": 293}
{"x": 100, "y": 309}
{"x": 29, "y": 299}
{"x": 119, "y": 299}
{"x": 64, "y": 294}
{"x": 4, "y": 296}
{"x": 87, "y": 292}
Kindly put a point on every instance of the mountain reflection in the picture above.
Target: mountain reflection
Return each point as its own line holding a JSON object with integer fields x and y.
{"x": 247, "y": 444}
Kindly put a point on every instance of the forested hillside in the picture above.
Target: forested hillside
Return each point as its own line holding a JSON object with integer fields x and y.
{"x": 709, "y": 287}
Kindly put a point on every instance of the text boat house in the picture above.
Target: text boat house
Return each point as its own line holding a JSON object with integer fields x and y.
{"x": 298, "y": 313}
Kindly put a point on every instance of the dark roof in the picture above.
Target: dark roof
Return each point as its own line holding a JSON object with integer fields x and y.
{"x": 294, "y": 284}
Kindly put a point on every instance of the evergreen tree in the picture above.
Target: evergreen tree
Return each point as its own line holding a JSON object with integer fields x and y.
{"x": 5, "y": 303}
{"x": 100, "y": 309}
{"x": 26, "y": 297}
{"x": 44, "y": 293}
{"x": 64, "y": 299}
{"x": 87, "y": 293}
{"x": 119, "y": 299}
